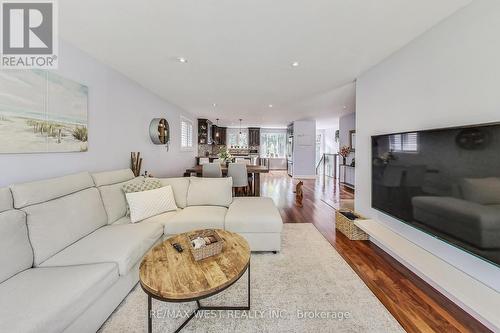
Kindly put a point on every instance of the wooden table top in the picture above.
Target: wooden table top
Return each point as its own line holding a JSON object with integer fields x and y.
{"x": 251, "y": 169}
{"x": 176, "y": 277}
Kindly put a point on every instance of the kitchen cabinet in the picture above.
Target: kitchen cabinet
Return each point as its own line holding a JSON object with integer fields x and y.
{"x": 221, "y": 138}
{"x": 204, "y": 132}
{"x": 254, "y": 136}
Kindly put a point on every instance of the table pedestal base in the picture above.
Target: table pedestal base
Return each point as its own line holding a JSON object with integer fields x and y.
{"x": 202, "y": 308}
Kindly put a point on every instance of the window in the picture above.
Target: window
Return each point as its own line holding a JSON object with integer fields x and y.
{"x": 235, "y": 139}
{"x": 186, "y": 134}
{"x": 273, "y": 144}
{"x": 404, "y": 143}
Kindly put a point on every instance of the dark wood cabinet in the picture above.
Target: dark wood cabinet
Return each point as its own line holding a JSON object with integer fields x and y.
{"x": 204, "y": 132}
{"x": 253, "y": 136}
{"x": 219, "y": 135}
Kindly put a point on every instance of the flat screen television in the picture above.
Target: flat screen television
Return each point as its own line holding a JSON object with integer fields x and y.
{"x": 445, "y": 182}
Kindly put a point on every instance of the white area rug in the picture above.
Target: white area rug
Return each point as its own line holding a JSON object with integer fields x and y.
{"x": 307, "y": 275}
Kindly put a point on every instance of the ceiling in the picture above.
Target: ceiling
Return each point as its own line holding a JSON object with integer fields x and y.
{"x": 239, "y": 53}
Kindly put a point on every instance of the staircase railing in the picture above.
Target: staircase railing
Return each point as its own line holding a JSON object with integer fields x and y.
{"x": 329, "y": 162}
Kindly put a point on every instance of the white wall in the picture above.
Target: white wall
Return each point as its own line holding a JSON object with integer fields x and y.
{"x": 447, "y": 77}
{"x": 328, "y": 144}
{"x": 346, "y": 124}
{"x": 304, "y": 149}
{"x": 119, "y": 113}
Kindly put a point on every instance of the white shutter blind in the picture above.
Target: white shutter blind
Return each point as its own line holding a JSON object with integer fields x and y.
{"x": 395, "y": 142}
{"x": 407, "y": 142}
{"x": 186, "y": 134}
{"x": 410, "y": 142}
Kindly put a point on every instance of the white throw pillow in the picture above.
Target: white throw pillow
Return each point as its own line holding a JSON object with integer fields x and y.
{"x": 150, "y": 203}
{"x": 210, "y": 192}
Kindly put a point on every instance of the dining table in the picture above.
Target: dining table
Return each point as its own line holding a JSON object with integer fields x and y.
{"x": 254, "y": 170}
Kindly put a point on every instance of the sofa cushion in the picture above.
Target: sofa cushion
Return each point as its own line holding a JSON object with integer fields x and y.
{"x": 114, "y": 200}
{"x": 210, "y": 192}
{"x": 112, "y": 177}
{"x": 50, "y": 299}
{"x": 180, "y": 187}
{"x": 6, "y": 201}
{"x": 123, "y": 244}
{"x": 253, "y": 214}
{"x": 160, "y": 219}
{"x": 44, "y": 190}
{"x": 484, "y": 191}
{"x": 16, "y": 254}
{"x": 196, "y": 217}
{"x": 55, "y": 224}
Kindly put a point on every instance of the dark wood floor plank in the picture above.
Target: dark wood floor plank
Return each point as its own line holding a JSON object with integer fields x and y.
{"x": 416, "y": 305}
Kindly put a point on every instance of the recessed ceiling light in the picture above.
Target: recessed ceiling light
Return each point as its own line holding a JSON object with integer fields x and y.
{"x": 295, "y": 64}
{"x": 214, "y": 105}
{"x": 270, "y": 105}
{"x": 345, "y": 107}
{"x": 182, "y": 59}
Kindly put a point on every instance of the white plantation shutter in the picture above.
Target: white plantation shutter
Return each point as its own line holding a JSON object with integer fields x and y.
{"x": 186, "y": 134}
{"x": 395, "y": 142}
{"x": 406, "y": 142}
{"x": 410, "y": 142}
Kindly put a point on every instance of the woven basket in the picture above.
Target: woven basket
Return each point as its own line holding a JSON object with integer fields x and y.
{"x": 348, "y": 228}
{"x": 206, "y": 251}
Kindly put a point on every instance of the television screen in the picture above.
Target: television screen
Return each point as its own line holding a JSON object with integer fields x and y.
{"x": 445, "y": 182}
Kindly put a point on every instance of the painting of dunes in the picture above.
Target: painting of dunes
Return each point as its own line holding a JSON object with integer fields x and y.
{"x": 41, "y": 112}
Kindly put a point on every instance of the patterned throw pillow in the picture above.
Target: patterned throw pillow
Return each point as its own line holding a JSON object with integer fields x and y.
{"x": 140, "y": 185}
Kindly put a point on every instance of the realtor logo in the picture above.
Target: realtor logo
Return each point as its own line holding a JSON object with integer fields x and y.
{"x": 29, "y": 38}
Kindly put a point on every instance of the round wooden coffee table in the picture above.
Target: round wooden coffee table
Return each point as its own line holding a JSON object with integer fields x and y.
{"x": 170, "y": 276}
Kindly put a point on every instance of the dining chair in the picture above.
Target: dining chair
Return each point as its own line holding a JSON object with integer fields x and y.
{"x": 216, "y": 160}
{"x": 211, "y": 170}
{"x": 204, "y": 160}
{"x": 240, "y": 177}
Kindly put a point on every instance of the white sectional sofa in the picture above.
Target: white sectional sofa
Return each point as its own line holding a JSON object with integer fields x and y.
{"x": 69, "y": 254}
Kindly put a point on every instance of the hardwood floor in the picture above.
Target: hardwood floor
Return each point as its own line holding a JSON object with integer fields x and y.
{"x": 415, "y": 304}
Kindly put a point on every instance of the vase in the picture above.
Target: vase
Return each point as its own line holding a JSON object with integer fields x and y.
{"x": 344, "y": 161}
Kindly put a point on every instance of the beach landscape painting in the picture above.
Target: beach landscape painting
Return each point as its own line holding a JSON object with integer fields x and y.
{"x": 42, "y": 112}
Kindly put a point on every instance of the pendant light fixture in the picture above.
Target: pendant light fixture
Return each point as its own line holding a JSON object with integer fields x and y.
{"x": 240, "y": 139}
{"x": 217, "y": 128}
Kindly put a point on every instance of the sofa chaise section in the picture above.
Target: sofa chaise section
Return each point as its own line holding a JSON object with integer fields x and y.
{"x": 258, "y": 220}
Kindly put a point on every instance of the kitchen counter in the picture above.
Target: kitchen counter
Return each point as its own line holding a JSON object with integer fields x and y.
{"x": 211, "y": 158}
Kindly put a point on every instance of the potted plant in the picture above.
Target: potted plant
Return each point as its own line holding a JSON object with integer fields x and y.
{"x": 344, "y": 152}
{"x": 224, "y": 155}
